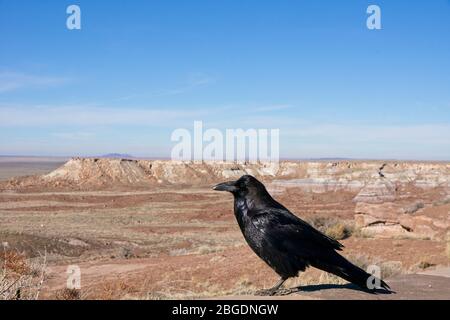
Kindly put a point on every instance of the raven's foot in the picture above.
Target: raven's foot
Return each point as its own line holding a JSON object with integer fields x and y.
{"x": 272, "y": 291}
{"x": 285, "y": 292}
{"x": 276, "y": 292}
{"x": 266, "y": 292}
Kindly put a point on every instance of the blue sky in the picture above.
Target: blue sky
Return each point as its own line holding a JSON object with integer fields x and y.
{"x": 137, "y": 70}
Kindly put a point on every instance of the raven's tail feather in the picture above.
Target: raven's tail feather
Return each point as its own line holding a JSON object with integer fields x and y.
{"x": 348, "y": 271}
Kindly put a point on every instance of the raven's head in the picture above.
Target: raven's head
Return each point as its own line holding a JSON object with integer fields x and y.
{"x": 244, "y": 186}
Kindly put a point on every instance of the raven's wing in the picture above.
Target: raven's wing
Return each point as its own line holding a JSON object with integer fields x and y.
{"x": 294, "y": 237}
{"x": 288, "y": 232}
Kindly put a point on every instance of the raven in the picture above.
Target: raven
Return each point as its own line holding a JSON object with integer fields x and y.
{"x": 285, "y": 242}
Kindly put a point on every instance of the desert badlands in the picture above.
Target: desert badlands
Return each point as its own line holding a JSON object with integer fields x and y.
{"x": 144, "y": 229}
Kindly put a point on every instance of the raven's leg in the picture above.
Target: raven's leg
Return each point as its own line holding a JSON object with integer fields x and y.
{"x": 273, "y": 290}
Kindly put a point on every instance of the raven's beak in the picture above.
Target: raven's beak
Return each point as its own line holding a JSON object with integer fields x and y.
{"x": 226, "y": 186}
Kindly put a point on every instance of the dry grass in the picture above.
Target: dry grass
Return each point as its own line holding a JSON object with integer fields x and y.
{"x": 425, "y": 265}
{"x": 198, "y": 290}
{"x": 338, "y": 231}
{"x": 108, "y": 290}
{"x": 387, "y": 268}
{"x": 332, "y": 227}
{"x": 413, "y": 208}
{"x": 314, "y": 277}
{"x": 180, "y": 293}
{"x": 174, "y": 289}
{"x": 68, "y": 294}
{"x": 115, "y": 290}
{"x": 443, "y": 201}
{"x": 15, "y": 263}
{"x": 20, "y": 278}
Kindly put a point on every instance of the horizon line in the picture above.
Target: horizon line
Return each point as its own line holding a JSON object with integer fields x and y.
{"x": 131, "y": 157}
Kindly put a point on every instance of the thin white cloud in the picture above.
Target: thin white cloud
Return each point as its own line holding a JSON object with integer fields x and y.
{"x": 276, "y": 107}
{"x": 78, "y": 135}
{"x": 231, "y": 116}
{"x": 387, "y": 134}
{"x": 11, "y": 81}
{"x": 402, "y": 141}
{"x": 84, "y": 115}
{"x": 194, "y": 81}
{"x": 298, "y": 137}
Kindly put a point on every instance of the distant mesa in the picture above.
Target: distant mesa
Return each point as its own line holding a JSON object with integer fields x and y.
{"x": 122, "y": 170}
{"x": 117, "y": 156}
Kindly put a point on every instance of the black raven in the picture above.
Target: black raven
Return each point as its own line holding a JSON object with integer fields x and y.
{"x": 285, "y": 242}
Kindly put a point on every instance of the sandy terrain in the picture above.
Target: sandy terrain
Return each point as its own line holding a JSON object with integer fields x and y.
{"x": 166, "y": 240}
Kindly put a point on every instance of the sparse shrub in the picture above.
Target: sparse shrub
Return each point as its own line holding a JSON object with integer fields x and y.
{"x": 425, "y": 265}
{"x": 408, "y": 236}
{"x": 361, "y": 233}
{"x": 243, "y": 286}
{"x": 15, "y": 263}
{"x": 126, "y": 253}
{"x": 155, "y": 296}
{"x": 114, "y": 290}
{"x": 179, "y": 252}
{"x": 338, "y": 231}
{"x": 414, "y": 207}
{"x": 443, "y": 201}
{"x": 332, "y": 227}
{"x": 206, "y": 249}
{"x": 391, "y": 268}
{"x": 68, "y": 294}
{"x": 20, "y": 279}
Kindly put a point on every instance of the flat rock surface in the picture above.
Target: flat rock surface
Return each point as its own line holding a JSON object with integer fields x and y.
{"x": 406, "y": 287}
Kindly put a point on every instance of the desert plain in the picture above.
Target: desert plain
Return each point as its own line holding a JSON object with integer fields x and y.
{"x": 155, "y": 229}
